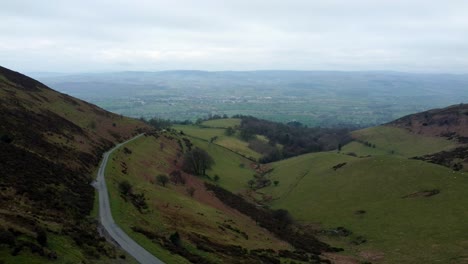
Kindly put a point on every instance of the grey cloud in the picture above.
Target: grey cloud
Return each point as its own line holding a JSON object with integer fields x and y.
{"x": 235, "y": 35}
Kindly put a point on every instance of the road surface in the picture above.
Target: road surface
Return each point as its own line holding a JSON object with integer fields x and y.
{"x": 105, "y": 216}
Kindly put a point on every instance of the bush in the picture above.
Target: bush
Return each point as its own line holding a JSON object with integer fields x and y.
{"x": 41, "y": 237}
{"x": 7, "y": 238}
{"x": 6, "y": 138}
{"x": 125, "y": 187}
{"x": 175, "y": 239}
{"x": 162, "y": 179}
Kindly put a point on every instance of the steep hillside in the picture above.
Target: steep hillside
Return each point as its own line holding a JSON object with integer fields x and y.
{"x": 50, "y": 144}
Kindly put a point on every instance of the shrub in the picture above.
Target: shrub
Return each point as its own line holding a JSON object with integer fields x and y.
{"x": 7, "y": 238}
{"x": 175, "y": 239}
{"x": 41, "y": 237}
{"x": 162, "y": 179}
{"x": 125, "y": 187}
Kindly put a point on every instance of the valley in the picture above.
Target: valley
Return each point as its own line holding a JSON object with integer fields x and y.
{"x": 234, "y": 132}
{"x": 266, "y": 192}
{"x": 393, "y": 208}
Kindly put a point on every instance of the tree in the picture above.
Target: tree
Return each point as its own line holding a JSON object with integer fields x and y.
{"x": 229, "y": 131}
{"x": 125, "y": 187}
{"x": 6, "y": 138}
{"x": 162, "y": 179}
{"x": 6, "y": 237}
{"x": 41, "y": 237}
{"x": 175, "y": 238}
{"x": 283, "y": 217}
{"x": 216, "y": 178}
{"x": 197, "y": 161}
{"x": 276, "y": 183}
{"x": 251, "y": 183}
{"x": 246, "y": 134}
{"x": 139, "y": 201}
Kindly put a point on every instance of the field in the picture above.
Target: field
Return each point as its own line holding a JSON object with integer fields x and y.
{"x": 392, "y": 140}
{"x": 408, "y": 211}
{"x": 222, "y": 123}
{"x": 233, "y": 142}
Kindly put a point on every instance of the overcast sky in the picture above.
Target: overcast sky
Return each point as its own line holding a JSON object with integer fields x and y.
{"x": 91, "y": 35}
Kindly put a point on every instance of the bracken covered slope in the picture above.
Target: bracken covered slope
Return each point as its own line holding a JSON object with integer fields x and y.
{"x": 450, "y": 123}
{"x": 50, "y": 144}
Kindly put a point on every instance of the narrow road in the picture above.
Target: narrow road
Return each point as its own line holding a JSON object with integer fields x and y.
{"x": 105, "y": 216}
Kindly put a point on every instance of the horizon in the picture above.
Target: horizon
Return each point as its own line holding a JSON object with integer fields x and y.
{"x": 65, "y": 73}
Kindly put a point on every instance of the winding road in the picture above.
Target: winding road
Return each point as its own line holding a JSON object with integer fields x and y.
{"x": 105, "y": 216}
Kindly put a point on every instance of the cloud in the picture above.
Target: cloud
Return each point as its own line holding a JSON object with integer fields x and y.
{"x": 234, "y": 35}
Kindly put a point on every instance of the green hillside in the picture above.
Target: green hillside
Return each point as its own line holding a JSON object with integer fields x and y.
{"x": 207, "y": 133}
{"x": 222, "y": 123}
{"x": 407, "y": 211}
{"x": 398, "y": 141}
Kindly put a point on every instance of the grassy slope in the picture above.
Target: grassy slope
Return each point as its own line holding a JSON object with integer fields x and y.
{"x": 400, "y": 141}
{"x": 171, "y": 209}
{"x": 410, "y": 230}
{"x": 234, "y": 170}
{"x": 231, "y": 142}
{"x": 222, "y": 123}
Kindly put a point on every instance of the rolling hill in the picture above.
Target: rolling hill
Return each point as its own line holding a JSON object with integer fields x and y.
{"x": 379, "y": 198}
{"x": 50, "y": 145}
{"x": 397, "y": 207}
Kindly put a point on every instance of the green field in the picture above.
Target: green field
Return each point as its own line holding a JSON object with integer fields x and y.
{"x": 392, "y": 140}
{"x": 233, "y": 143}
{"x": 222, "y": 123}
{"x": 417, "y": 229}
{"x": 234, "y": 170}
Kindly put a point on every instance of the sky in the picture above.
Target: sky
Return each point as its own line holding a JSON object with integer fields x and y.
{"x": 130, "y": 35}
